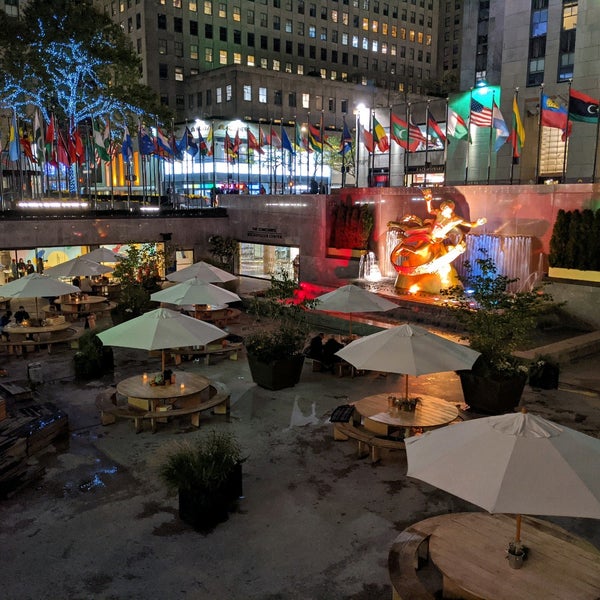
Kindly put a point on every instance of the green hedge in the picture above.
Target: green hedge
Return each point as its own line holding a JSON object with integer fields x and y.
{"x": 575, "y": 242}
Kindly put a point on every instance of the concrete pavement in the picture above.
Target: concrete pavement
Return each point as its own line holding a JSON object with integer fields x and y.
{"x": 316, "y": 523}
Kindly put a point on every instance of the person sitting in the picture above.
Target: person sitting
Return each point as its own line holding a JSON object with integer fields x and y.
{"x": 76, "y": 281}
{"x": 329, "y": 359}
{"x": 4, "y": 321}
{"x": 85, "y": 285}
{"x": 314, "y": 349}
{"x": 21, "y": 315}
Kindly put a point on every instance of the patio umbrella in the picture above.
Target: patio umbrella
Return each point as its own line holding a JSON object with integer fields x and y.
{"x": 36, "y": 286}
{"x": 103, "y": 255}
{"x": 409, "y": 350}
{"x": 76, "y": 267}
{"x": 195, "y": 291}
{"x": 161, "y": 329}
{"x": 203, "y": 271}
{"x": 516, "y": 463}
{"x": 350, "y": 299}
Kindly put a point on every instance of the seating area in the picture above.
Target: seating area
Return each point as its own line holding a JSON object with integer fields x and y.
{"x": 368, "y": 443}
{"x": 68, "y": 337}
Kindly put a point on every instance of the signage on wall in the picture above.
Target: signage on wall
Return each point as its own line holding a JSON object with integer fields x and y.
{"x": 269, "y": 233}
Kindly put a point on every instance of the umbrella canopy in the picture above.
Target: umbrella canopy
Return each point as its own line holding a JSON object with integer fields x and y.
{"x": 36, "y": 285}
{"x": 102, "y": 255}
{"x": 353, "y": 299}
{"x": 76, "y": 267}
{"x": 195, "y": 291}
{"x": 516, "y": 463}
{"x": 204, "y": 271}
{"x": 161, "y": 329}
{"x": 408, "y": 349}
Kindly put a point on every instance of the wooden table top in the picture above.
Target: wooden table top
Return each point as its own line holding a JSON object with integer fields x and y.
{"x": 136, "y": 387}
{"x": 430, "y": 412}
{"x": 470, "y": 550}
{"x": 83, "y": 301}
{"x": 18, "y": 329}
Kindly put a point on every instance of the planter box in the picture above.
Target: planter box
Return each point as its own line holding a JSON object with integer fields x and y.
{"x": 574, "y": 275}
{"x": 277, "y": 375}
{"x": 491, "y": 396}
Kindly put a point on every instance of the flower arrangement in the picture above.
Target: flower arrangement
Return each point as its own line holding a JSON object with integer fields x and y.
{"x": 517, "y": 549}
{"x": 407, "y": 404}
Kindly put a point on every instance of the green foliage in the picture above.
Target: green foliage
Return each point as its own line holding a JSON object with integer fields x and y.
{"x": 497, "y": 322}
{"x": 139, "y": 274}
{"x": 575, "y": 242}
{"x": 558, "y": 241}
{"x": 351, "y": 225}
{"x": 225, "y": 249}
{"x": 205, "y": 464}
{"x": 92, "y": 359}
{"x": 288, "y": 336}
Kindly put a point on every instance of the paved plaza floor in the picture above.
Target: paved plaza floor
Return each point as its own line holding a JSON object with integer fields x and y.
{"x": 315, "y": 523}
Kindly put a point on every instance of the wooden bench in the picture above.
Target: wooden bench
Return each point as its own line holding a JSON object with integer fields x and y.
{"x": 407, "y": 555}
{"x": 60, "y": 337}
{"x": 368, "y": 442}
{"x": 219, "y": 400}
{"x": 231, "y": 351}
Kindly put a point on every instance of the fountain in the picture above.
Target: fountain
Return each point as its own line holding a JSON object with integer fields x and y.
{"x": 368, "y": 268}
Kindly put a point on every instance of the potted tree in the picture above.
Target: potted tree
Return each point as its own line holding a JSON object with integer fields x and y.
{"x": 93, "y": 358}
{"x": 275, "y": 353}
{"x": 497, "y": 322}
{"x": 207, "y": 475}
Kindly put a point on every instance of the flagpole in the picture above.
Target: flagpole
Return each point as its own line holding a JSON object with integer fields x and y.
{"x": 489, "y": 165}
{"x": 357, "y": 144}
{"x": 322, "y": 136}
{"x": 515, "y": 135}
{"x": 446, "y": 142}
{"x": 539, "y": 141}
{"x": 564, "y": 169}
{"x": 468, "y": 138}
{"x": 426, "y": 140}
{"x": 596, "y": 149}
{"x": 406, "y": 150}
{"x": 390, "y": 149}
{"x": 214, "y": 174}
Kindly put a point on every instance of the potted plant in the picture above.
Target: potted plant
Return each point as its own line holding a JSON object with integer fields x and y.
{"x": 516, "y": 553}
{"x": 207, "y": 474}
{"x": 275, "y": 353}
{"x": 497, "y": 322}
{"x": 93, "y": 359}
{"x": 544, "y": 373}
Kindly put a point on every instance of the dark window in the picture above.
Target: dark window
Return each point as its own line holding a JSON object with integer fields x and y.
{"x": 208, "y": 97}
{"x": 344, "y": 58}
{"x": 163, "y": 70}
{"x": 237, "y": 36}
{"x": 334, "y": 56}
{"x": 301, "y": 50}
{"x": 312, "y": 52}
{"x": 264, "y": 42}
{"x": 162, "y": 21}
{"x": 177, "y": 24}
{"x": 312, "y": 10}
{"x": 223, "y": 34}
{"x": 276, "y": 44}
{"x": 344, "y": 106}
{"x": 250, "y": 40}
{"x": 292, "y": 99}
{"x": 208, "y": 31}
{"x": 138, "y": 21}
{"x": 301, "y": 7}
{"x": 193, "y": 27}
{"x": 289, "y": 47}
{"x": 323, "y": 53}
{"x": 278, "y": 98}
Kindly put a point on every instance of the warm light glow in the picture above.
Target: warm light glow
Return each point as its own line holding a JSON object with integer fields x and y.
{"x": 413, "y": 289}
{"x": 145, "y": 377}
{"x": 50, "y": 204}
{"x": 182, "y": 387}
{"x": 149, "y": 208}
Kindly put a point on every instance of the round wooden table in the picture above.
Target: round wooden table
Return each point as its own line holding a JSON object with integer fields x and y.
{"x": 140, "y": 394}
{"x": 429, "y": 413}
{"x": 35, "y": 332}
{"x": 80, "y": 305}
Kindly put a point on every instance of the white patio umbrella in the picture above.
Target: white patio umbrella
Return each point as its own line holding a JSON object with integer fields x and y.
{"x": 161, "y": 329}
{"x": 76, "y": 267}
{"x": 36, "y": 285}
{"x": 195, "y": 291}
{"x": 350, "y": 299}
{"x": 103, "y": 255}
{"x": 409, "y": 350}
{"x": 203, "y": 271}
{"x": 516, "y": 463}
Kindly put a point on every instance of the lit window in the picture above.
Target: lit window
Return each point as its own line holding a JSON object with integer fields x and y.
{"x": 228, "y": 93}
{"x": 178, "y": 73}
{"x": 288, "y": 67}
{"x": 374, "y": 45}
{"x": 222, "y": 57}
{"x": 300, "y": 70}
{"x": 334, "y": 16}
{"x": 276, "y": 65}
{"x": 374, "y": 26}
{"x": 365, "y": 24}
{"x": 306, "y": 101}
{"x": 222, "y": 10}
{"x": 162, "y": 46}
{"x": 248, "y": 93}
{"x": 312, "y": 31}
{"x": 194, "y": 51}
{"x": 192, "y": 5}
{"x": 250, "y": 60}
{"x": 237, "y": 58}
{"x": 262, "y": 95}
{"x": 384, "y": 48}
{"x": 237, "y": 15}
{"x": 208, "y": 55}
{"x": 218, "y": 95}
{"x": 264, "y": 63}
{"x": 207, "y": 7}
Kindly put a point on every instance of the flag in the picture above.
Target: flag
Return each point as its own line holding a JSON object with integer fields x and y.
{"x": 314, "y": 138}
{"x": 286, "y": 144}
{"x": 163, "y": 147}
{"x": 500, "y": 126}
{"x": 99, "y": 147}
{"x": 38, "y": 134}
{"x": 229, "y": 147}
{"x": 49, "y": 143}
{"x": 237, "y": 143}
{"x": 415, "y": 136}
{"x": 127, "y": 146}
{"x": 107, "y": 139}
{"x": 345, "y": 140}
{"x": 146, "y": 143}
{"x": 263, "y": 137}
{"x": 301, "y": 139}
{"x": 379, "y": 136}
{"x": 456, "y": 126}
{"x": 367, "y": 139}
{"x": 210, "y": 147}
{"x": 556, "y": 116}
{"x": 433, "y": 125}
{"x": 26, "y": 148}
{"x": 76, "y": 149}
{"x": 202, "y": 144}
{"x": 481, "y": 116}
{"x": 274, "y": 139}
{"x": 583, "y": 107}
{"x": 14, "y": 147}
{"x": 253, "y": 143}
{"x": 187, "y": 143}
{"x": 175, "y": 149}
{"x": 62, "y": 151}
{"x": 404, "y": 134}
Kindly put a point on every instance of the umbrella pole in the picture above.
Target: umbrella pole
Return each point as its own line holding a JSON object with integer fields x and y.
{"x": 518, "y": 533}
{"x": 163, "y": 362}
{"x": 406, "y": 387}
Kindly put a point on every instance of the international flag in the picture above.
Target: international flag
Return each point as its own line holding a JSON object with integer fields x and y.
{"x": 415, "y": 136}
{"x": 502, "y": 132}
{"x": 202, "y": 144}
{"x": 481, "y": 116}
{"x": 163, "y": 146}
{"x": 253, "y": 143}
{"x": 345, "y": 140}
{"x": 127, "y": 146}
{"x": 99, "y": 147}
{"x": 263, "y": 137}
{"x": 583, "y": 107}
{"x": 14, "y": 147}
{"x": 366, "y": 137}
{"x": 379, "y": 136}
{"x": 556, "y": 116}
{"x": 210, "y": 142}
{"x": 456, "y": 126}
{"x": 274, "y": 139}
{"x": 76, "y": 149}
{"x": 145, "y": 141}
{"x": 230, "y": 150}
{"x": 38, "y": 134}
{"x": 286, "y": 144}
{"x": 517, "y": 135}
{"x": 437, "y": 130}
{"x": 49, "y": 142}
{"x": 301, "y": 139}
{"x": 175, "y": 149}
{"x": 314, "y": 138}
{"x": 25, "y": 142}
{"x": 187, "y": 143}
{"x": 404, "y": 134}
{"x": 62, "y": 151}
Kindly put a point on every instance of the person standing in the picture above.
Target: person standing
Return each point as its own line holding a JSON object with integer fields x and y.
{"x": 14, "y": 269}
{"x": 29, "y": 268}
{"x": 22, "y": 268}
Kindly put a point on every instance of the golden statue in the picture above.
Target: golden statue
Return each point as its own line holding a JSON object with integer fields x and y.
{"x": 426, "y": 249}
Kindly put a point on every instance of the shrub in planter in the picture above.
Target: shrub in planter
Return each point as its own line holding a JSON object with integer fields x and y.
{"x": 207, "y": 474}
{"x": 544, "y": 374}
{"x": 92, "y": 359}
